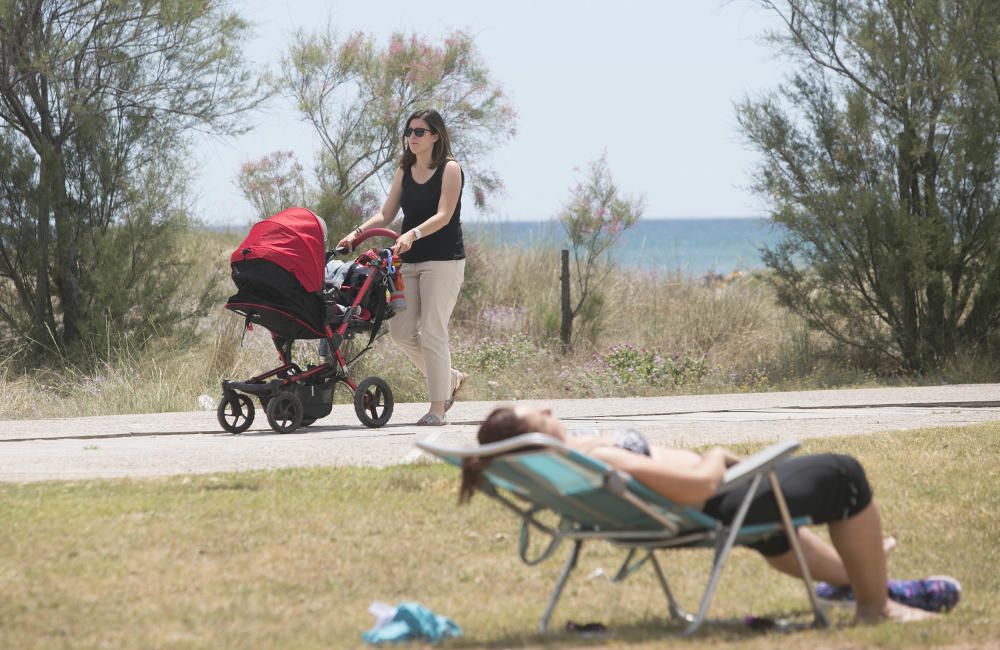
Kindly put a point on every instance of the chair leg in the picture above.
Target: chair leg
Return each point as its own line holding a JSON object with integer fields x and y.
{"x": 675, "y": 610}
{"x": 625, "y": 570}
{"x": 819, "y": 616}
{"x": 722, "y": 550}
{"x": 567, "y": 569}
{"x": 628, "y": 567}
{"x": 721, "y": 555}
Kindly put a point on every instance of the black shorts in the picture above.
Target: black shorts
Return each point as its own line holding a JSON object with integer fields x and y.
{"x": 825, "y": 487}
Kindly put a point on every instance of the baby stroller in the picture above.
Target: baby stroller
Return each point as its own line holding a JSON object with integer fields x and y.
{"x": 279, "y": 276}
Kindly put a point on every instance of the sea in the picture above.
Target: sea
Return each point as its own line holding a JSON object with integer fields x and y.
{"x": 690, "y": 247}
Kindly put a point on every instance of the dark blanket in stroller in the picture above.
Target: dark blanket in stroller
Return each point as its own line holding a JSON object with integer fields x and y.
{"x": 272, "y": 297}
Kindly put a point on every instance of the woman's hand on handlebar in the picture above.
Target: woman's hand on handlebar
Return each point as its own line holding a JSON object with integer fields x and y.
{"x": 404, "y": 242}
{"x": 347, "y": 242}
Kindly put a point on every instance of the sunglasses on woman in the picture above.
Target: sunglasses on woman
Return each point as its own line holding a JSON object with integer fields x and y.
{"x": 419, "y": 132}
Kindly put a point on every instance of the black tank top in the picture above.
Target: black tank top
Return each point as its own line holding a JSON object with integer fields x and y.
{"x": 419, "y": 202}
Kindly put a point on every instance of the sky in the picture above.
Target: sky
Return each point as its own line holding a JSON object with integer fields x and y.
{"x": 652, "y": 83}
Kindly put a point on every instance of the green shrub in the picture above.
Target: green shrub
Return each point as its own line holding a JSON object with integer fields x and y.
{"x": 629, "y": 365}
{"x": 493, "y": 355}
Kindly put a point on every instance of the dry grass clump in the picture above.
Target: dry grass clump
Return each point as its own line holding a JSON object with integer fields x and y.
{"x": 645, "y": 334}
{"x": 165, "y": 374}
{"x": 728, "y": 335}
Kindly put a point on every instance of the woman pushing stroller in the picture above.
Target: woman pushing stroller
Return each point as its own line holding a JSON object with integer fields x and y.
{"x": 427, "y": 186}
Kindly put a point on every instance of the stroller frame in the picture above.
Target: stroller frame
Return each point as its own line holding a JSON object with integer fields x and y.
{"x": 292, "y": 396}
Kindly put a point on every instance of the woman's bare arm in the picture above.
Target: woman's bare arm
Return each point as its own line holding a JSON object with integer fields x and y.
{"x": 382, "y": 218}
{"x": 685, "y": 485}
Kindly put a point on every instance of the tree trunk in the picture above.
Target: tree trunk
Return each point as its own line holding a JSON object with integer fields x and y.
{"x": 939, "y": 341}
{"x": 909, "y": 192}
{"x": 42, "y": 317}
{"x": 67, "y": 255}
{"x": 909, "y": 335}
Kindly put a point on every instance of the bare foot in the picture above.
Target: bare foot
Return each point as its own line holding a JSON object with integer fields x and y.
{"x": 893, "y": 611}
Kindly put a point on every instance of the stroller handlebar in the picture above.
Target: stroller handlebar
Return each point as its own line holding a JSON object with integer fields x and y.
{"x": 366, "y": 234}
{"x": 376, "y": 232}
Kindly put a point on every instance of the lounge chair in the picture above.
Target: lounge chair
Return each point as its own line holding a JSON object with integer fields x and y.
{"x": 533, "y": 473}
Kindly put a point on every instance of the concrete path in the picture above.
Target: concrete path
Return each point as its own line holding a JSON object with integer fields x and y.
{"x": 186, "y": 443}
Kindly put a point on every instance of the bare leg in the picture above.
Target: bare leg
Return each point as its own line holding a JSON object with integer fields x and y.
{"x": 858, "y": 540}
{"x": 858, "y": 558}
{"x": 822, "y": 559}
{"x": 437, "y": 408}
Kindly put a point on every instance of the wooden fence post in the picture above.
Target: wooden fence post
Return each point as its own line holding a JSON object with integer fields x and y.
{"x": 566, "y": 330}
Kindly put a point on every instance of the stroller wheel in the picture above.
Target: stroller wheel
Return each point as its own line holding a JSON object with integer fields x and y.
{"x": 307, "y": 421}
{"x": 373, "y": 402}
{"x": 235, "y": 412}
{"x": 284, "y": 412}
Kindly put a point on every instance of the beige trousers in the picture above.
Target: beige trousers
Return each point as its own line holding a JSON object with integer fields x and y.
{"x": 421, "y": 330}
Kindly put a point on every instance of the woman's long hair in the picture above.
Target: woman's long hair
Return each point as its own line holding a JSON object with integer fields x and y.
{"x": 499, "y": 425}
{"x": 442, "y": 148}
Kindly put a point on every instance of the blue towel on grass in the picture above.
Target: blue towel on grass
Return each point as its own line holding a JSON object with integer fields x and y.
{"x": 413, "y": 621}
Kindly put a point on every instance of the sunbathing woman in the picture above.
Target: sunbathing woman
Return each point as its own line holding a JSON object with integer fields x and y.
{"x": 830, "y": 488}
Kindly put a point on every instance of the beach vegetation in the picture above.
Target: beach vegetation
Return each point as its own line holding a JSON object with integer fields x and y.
{"x": 355, "y": 93}
{"x": 594, "y": 218}
{"x": 880, "y": 156}
{"x": 97, "y": 101}
{"x": 274, "y": 183}
{"x": 662, "y": 333}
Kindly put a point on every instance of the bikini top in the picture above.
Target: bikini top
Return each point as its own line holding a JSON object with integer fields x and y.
{"x": 627, "y": 439}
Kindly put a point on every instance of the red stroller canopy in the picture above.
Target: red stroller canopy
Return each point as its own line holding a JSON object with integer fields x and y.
{"x": 295, "y": 240}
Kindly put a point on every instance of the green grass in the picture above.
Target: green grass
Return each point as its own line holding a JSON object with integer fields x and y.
{"x": 293, "y": 558}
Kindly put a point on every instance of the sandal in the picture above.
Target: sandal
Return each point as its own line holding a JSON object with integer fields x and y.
{"x": 451, "y": 401}
{"x": 431, "y": 420}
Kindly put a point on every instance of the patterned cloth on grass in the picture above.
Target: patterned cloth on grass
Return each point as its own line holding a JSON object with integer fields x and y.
{"x": 934, "y": 594}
